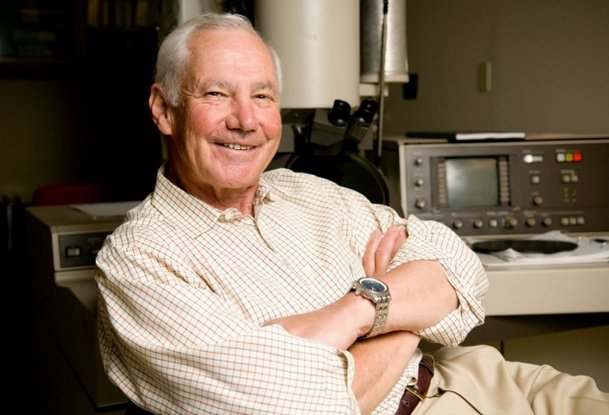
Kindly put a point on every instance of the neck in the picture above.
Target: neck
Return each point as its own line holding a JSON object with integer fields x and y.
{"x": 221, "y": 199}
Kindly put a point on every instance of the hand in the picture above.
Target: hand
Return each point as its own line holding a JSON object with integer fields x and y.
{"x": 421, "y": 294}
{"x": 327, "y": 325}
{"x": 381, "y": 248}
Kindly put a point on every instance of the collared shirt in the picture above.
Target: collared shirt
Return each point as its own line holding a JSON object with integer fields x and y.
{"x": 185, "y": 289}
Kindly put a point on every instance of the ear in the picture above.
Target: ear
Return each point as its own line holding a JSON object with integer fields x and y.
{"x": 159, "y": 108}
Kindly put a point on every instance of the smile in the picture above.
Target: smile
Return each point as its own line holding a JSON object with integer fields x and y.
{"x": 237, "y": 146}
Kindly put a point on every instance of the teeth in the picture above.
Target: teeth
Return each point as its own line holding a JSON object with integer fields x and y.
{"x": 237, "y": 146}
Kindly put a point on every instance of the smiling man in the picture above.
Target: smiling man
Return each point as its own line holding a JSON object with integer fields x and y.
{"x": 224, "y": 124}
{"x": 235, "y": 290}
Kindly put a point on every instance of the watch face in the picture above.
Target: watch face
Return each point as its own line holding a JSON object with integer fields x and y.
{"x": 373, "y": 285}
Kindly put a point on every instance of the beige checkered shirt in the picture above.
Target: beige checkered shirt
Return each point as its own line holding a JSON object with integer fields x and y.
{"x": 184, "y": 289}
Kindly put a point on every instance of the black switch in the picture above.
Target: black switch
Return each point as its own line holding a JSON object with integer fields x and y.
{"x": 410, "y": 89}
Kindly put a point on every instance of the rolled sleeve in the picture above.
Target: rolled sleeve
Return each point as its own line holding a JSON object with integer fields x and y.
{"x": 431, "y": 240}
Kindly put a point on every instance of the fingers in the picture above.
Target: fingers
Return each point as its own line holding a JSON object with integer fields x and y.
{"x": 399, "y": 239}
{"x": 386, "y": 249}
{"x": 369, "y": 261}
{"x": 381, "y": 248}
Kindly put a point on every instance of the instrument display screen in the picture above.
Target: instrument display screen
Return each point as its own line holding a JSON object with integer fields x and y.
{"x": 472, "y": 181}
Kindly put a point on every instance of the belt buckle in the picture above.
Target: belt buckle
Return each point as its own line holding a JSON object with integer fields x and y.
{"x": 413, "y": 391}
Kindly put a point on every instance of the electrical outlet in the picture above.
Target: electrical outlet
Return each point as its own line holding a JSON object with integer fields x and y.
{"x": 485, "y": 76}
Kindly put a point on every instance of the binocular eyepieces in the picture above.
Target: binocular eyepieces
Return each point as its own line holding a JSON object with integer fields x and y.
{"x": 340, "y": 114}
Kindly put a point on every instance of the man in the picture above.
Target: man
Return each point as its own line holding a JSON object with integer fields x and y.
{"x": 231, "y": 290}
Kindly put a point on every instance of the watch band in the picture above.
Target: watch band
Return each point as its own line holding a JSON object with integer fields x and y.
{"x": 376, "y": 292}
{"x": 380, "y": 318}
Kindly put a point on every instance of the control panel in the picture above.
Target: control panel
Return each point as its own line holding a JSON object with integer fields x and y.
{"x": 502, "y": 188}
{"x": 79, "y": 249}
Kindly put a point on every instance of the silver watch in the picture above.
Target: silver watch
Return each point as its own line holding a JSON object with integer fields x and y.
{"x": 376, "y": 291}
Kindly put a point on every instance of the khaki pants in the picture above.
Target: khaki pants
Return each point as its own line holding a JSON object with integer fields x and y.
{"x": 478, "y": 380}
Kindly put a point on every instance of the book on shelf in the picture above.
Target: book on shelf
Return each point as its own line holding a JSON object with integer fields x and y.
{"x": 468, "y": 135}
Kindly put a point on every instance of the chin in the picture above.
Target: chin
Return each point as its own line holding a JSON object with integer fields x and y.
{"x": 242, "y": 182}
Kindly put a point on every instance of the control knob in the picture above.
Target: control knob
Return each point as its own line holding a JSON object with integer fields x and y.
{"x": 420, "y": 203}
{"x": 510, "y": 222}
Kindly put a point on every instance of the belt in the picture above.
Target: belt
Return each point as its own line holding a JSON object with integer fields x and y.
{"x": 416, "y": 393}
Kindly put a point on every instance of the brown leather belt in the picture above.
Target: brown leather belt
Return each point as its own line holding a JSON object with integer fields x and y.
{"x": 414, "y": 394}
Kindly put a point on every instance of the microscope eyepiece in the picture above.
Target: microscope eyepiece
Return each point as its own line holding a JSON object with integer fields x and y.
{"x": 366, "y": 110}
{"x": 339, "y": 114}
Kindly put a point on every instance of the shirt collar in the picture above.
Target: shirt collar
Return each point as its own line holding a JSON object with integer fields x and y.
{"x": 180, "y": 206}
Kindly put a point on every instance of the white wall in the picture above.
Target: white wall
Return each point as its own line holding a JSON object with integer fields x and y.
{"x": 550, "y": 61}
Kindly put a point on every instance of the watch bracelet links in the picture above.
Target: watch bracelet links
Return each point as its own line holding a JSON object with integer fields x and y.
{"x": 380, "y": 318}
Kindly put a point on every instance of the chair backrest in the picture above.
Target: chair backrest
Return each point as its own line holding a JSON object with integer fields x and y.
{"x": 69, "y": 193}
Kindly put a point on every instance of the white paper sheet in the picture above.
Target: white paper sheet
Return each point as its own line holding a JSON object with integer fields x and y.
{"x": 106, "y": 210}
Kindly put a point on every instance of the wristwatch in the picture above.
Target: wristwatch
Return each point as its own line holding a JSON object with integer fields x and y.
{"x": 376, "y": 291}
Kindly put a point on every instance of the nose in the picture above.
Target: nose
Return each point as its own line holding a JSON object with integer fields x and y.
{"x": 242, "y": 115}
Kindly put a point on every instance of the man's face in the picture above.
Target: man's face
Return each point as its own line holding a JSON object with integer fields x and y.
{"x": 228, "y": 127}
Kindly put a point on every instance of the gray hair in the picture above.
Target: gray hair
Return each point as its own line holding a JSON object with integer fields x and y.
{"x": 175, "y": 50}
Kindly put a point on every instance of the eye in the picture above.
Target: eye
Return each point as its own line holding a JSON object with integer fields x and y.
{"x": 264, "y": 99}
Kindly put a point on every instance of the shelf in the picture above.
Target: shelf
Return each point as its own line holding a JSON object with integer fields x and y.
{"x": 40, "y": 37}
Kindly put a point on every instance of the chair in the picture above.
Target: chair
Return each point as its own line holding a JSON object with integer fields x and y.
{"x": 69, "y": 193}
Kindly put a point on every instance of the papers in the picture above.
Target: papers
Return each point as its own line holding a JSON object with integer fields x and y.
{"x": 106, "y": 210}
{"x": 470, "y": 136}
{"x": 489, "y": 136}
{"x": 589, "y": 250}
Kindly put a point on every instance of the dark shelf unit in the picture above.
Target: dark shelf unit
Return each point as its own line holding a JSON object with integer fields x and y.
{"x": 41, "y": 38}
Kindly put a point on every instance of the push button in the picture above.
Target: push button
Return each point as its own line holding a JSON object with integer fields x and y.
{"x": 73, "y": 251}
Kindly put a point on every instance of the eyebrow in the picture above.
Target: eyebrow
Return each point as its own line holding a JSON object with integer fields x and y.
{"x": 256, "y": 85}
{"x": 210, "y": 83}
{"x": 263, "y": 85}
